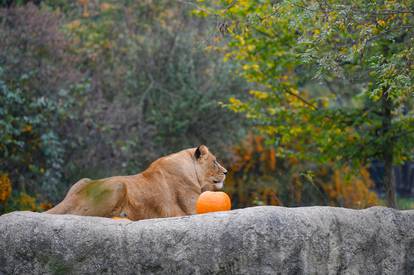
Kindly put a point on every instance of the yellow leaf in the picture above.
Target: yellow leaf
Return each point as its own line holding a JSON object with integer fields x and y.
{"x": 259, "y": 94}
{"x": 381, "y": 22}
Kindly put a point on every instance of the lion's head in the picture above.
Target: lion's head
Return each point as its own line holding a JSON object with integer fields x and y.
{"x": 209, "y": 172}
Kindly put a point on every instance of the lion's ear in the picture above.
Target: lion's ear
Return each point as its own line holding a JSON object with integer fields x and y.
{"x": 201, "y": 151}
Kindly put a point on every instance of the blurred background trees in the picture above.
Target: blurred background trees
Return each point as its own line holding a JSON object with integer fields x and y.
{"x": 37, "y": 79}
{"x": 94, "y": 88}
{"x": 335, "y": 80}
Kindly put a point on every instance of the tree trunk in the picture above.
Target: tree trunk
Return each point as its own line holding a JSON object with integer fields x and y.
{"x": 389, "y": 179}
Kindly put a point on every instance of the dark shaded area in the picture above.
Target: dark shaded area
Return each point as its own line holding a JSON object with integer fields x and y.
{"x": 404, "y": 178}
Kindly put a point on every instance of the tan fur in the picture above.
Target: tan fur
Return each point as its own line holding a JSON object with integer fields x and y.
{"x": 168, "y": 188}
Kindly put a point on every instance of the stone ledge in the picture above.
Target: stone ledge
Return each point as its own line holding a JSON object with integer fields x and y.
{"x": 257, "y": 240}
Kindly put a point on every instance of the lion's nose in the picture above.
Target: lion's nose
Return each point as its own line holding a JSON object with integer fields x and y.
{"x": 225, "y": 172}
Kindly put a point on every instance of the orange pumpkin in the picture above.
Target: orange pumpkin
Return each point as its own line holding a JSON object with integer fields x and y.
{"x": 213, "y": 201}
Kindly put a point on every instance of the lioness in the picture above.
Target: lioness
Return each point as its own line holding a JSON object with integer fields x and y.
{"x": 169, "y": 187}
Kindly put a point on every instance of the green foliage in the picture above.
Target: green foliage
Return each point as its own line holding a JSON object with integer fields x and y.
{"x": 335, "y": 80}
{"x": 38, "y": 86}
{"x": 31, "y": 151}
{"x": 326, "y": 72}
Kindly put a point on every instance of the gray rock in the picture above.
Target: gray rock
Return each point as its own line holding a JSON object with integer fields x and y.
{"x": 257, "y": 240}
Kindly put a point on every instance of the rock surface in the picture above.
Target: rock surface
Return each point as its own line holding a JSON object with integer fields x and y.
{"x": 258, "y": 240}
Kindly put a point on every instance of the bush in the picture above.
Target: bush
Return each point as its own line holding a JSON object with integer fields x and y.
{"x": 257, "y": 177}
{"x": 31, "y": 150}
{"x": 38, "y": 87}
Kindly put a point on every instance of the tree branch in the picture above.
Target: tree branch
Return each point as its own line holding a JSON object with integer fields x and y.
{"x": 301, "y": 99}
